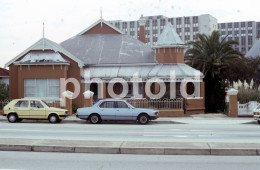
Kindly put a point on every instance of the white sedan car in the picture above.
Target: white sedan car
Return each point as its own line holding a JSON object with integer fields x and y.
{"x": 257, "y": 114}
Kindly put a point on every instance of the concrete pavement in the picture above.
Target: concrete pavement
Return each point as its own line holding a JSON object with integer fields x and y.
{"x": 62, "y": 161}
{"x": 130, "y": 147}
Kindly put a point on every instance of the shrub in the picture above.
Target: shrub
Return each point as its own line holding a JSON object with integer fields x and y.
{"x": 246, "y": 95}
{"x": 4, "y": 92}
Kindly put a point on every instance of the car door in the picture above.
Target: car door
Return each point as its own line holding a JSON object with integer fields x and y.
{"x": 123, "y": 111}
{"x": 37, "y": 110}
{"x": 107, "y": 110}
{"x": 22, "y": 109}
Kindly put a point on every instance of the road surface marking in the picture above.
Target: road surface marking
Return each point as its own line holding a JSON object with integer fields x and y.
{"x": 178, "y": 136}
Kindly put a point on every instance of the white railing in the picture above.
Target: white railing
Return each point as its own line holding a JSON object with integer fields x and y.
{"x": 162, "y": 104}
{"x": 247, "y": 109}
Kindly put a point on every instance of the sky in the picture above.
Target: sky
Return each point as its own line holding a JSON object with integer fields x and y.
{"x": 21, "y": 20}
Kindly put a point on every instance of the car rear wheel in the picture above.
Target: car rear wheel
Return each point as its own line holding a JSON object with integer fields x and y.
{"x": 143, "y": 119}
{"x": 53, "y": 118}
{"x": 258, "y": 121}
{"x": 12, "y": 118}
{"x": 95, "y": 119}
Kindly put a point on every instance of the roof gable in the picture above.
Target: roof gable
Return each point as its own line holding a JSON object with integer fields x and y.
{"x": 169, "y": 37}
{"x": 45, "y": 44}
{"x": 101, "y": 27}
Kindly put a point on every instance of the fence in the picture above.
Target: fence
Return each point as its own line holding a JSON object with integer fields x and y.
{"x": 164, "y": 104}
{"x": 247, "y": 109}
{"x": 54, "y": 104}
{"x": 3, "y": 103}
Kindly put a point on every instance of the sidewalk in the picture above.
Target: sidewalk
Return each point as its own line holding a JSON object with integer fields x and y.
{"x": 214, "y": 118}
{"x": 193, "y": 119}
{"x": 130, "y": 147}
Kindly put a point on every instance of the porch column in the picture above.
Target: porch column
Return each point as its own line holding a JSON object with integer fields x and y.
{"x": 233, "y": 106}
{"x": 67, "y": 98}
{"x": 156, "y": 88}
{"x": 88, "y": 98}
{"x": 104, "y": 91}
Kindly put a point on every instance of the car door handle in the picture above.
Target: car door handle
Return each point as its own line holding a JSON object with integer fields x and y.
{"x": 117, "y": 110}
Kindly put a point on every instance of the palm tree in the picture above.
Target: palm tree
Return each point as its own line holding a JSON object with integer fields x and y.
{"x": 212, "y": 56}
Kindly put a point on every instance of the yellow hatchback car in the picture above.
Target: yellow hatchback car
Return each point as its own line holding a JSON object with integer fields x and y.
{"x": 20, "y": 109}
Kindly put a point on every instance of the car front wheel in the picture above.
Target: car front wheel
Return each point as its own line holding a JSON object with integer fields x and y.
{"x": 12, "y": 118}
{"x": 95, "y": 119}
{"x": 143, "y": 119}
{"x": 258, "y": 121}
{"x": 53, "y": 119}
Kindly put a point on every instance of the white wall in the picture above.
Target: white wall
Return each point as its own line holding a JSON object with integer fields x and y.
{"x": 4, "y": 80}
{"x": 207, "y": 24}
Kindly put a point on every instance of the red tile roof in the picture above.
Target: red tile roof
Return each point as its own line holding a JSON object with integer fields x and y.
{"x": 4, "y": 72}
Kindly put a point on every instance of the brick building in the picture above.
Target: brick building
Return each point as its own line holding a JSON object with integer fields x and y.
{"x": 102, "y": 51}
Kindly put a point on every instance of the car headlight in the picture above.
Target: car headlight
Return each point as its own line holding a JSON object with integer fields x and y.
{"x": 155, "y": 113}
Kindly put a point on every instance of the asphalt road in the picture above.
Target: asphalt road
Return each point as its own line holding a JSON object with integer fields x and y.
{"x": 43, "y": 160}
{"x": 241, "y": 133}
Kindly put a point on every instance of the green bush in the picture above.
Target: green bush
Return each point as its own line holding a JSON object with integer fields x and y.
{"x": 4, "y": 92}
{"x": 74, "y": 108}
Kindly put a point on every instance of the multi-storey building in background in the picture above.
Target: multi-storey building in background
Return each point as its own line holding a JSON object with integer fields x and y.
{"x": 243, "y": 32}
{"x": 186, "y": 27}
{"x": 246, "y": 33}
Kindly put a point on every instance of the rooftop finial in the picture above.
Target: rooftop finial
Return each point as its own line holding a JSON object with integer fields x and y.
{"x": 101, "y": 16}
{"x": 43, "y": 36}
{"x": 100, "y": 13}
{"x": 43, "y": 30}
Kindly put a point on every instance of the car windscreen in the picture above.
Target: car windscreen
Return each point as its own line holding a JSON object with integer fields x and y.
{"x": 45, "y": 103}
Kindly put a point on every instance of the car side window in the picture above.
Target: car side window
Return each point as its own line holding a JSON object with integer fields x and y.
{"x": 121, "y": 105}
{"x": 109, "y": 104}
{"x": 36, "y": 104}
{"x": 21, "y": 103}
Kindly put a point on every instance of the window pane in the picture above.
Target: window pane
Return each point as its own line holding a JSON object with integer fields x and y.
{"x": 121, "y": 105}
{"x": 29, "y": 91}
{"x": 107, "y": 105}
{"x": 53, "y": 82}
{"x": 42, "y": 88}
{"x": 36, "y": 104}
{"x": 29, "y": 82}
{"x": 54, "y": 91}
{"x": 22, "y": 103}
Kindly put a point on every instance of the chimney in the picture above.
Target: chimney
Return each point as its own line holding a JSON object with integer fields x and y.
{"x": 142, "y": 30}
